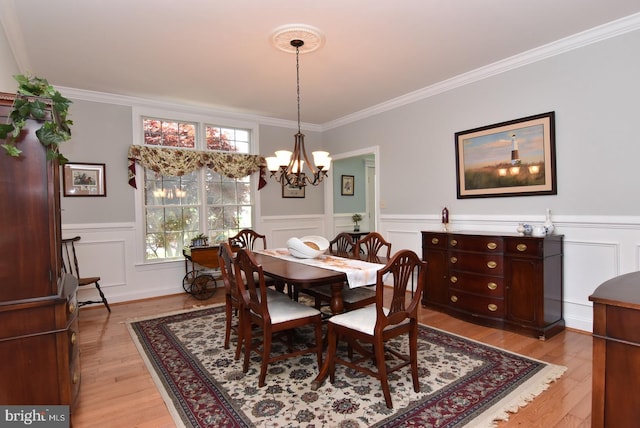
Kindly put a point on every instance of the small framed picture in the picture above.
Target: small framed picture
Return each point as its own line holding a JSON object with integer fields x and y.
{"x": 347, "y": 185}
{"x": 84, "y": 179}
{"x": 289, "y": 191}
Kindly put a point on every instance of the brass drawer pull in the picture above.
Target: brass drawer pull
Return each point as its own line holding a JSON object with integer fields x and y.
{"x": 492, "y": 264}
{"x": 434, "y": 241}
{"x": 76, "y": 378}
{"x": 492, "y": 307}
{"x": 454, "y": 260}
{"x": 72, "y": 307}
{"x": 454, "y": 299}
{"x": 521, "y": 247}
{"x": 453, "y": 279}
{"x": 454, "y": 242}
{"x": 492, "y": 245}
{"x": 74, "y": 338}
{"x": 492, "y": 286}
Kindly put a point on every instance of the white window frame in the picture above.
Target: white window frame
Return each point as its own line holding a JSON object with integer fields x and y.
{"x": 202, "y": 118}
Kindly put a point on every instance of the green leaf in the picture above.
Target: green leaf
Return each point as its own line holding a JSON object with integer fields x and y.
{"x": 5, "y": 129}
{"x": 11, "y": 149}
{"x": 38, "y": 110}
{"x": 61, "y": 159}
{"x": 48, "y": 135}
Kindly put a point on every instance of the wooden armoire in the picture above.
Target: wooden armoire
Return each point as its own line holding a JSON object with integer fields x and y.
{"x": 39, "y": 356}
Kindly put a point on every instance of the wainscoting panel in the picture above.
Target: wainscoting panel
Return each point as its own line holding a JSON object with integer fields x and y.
{"x": 595, "y": 249}
{"x": 279, "y": 229}
{"x": 105, "y": 259}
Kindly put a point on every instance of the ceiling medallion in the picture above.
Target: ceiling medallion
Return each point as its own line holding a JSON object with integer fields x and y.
{"x": 312, "y": 37}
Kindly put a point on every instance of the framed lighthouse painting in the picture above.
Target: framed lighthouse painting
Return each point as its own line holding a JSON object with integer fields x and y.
{"x": 514, "y": 158}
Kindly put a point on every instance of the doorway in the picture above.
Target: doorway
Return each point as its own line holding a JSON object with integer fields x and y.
{"x": 339, "y": 208}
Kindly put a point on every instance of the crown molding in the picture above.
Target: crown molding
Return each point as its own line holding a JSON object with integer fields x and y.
{"x": 125, "y": 100}
{"x": 576, "y": 41}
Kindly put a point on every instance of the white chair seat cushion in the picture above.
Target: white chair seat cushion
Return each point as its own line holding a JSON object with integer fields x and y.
{"x": 282, "y": 310}
{"x": 363, "y": 319}
{"x": 274, "y": 294}
{"x": 349, "y": 295}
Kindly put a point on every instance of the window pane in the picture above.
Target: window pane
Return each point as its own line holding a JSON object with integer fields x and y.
{"x": 215, "y": 218}
{"x": 231, "y": 218}
{"x": 227, "y": 139}
{"x": 245, "y": 217}
{"x": 159, "y": 132}
{"x": 229, "y": 193}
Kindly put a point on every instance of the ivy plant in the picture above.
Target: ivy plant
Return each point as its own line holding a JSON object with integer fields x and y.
{"x": 36, "y": 99}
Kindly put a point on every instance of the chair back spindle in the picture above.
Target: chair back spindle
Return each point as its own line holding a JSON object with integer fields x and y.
{"x": 342, "y": 245}
{"x": 374, "y": 246}
{"x": 247, "y": 238}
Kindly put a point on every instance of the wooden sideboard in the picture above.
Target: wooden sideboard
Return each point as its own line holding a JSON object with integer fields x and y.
{"x": 499, "y": 280}
{"x": 616, "y": 352}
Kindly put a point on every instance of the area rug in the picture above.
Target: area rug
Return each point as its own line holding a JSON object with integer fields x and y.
{"x": 462, "y": 382}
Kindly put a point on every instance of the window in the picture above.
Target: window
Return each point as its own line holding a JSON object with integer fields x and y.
{"x": 177, "y": 208}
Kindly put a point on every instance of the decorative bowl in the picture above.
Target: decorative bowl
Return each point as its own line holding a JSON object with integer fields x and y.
{"x": 307, "y": 247}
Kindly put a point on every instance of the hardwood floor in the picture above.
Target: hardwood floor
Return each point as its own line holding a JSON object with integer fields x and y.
{"x": 118, "y": 391}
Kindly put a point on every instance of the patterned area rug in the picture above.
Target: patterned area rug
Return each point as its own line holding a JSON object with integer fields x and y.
{"x": 462, "y": 382}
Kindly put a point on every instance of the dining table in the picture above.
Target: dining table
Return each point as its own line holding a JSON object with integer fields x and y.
{"x": 299, "y": 273}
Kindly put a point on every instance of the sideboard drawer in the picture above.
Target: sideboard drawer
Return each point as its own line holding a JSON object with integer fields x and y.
{"x": 484, "y": 285}
{"x": 527, "y": 247}
{"x": 484, "y": 244}
{"x": 435, "y": 240}
{"x": 473, "y": 304}
{"x": 479, "y": 263}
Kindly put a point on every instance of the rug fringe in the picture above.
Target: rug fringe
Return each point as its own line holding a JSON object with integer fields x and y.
{"x": 520, "y": 397}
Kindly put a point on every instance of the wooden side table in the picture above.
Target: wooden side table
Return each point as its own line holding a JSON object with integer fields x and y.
{"x": 616, "y": 352}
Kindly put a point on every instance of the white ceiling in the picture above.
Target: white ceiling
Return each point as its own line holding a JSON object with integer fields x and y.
{"x": 218, "y": 54}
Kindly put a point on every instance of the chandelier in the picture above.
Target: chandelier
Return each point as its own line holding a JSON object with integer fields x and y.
{"x": 288, "y": 167}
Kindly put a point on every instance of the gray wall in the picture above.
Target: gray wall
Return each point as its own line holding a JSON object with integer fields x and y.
{"x": 594, "y": 91}
{"x": 8, "y": 66}
{"x": 102, "y": 133}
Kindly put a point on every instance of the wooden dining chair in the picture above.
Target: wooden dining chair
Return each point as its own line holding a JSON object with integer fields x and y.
{"x": 373, "y": 246}
{"x": 271, "y": 316}
{"x": 353, "y": 298}
{"x": 387, "y": 319}
{"x": 233, "y": 300}
{"x": 234, "y": 303}
{"x": 70, "y": 266}
{"x": 248, "y": 238}
{"x": 251, "y": 240}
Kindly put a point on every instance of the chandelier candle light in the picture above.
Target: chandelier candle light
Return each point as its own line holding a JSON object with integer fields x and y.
{"x": 287, "y": 167}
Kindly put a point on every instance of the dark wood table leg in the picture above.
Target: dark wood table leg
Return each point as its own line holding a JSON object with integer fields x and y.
{"x": 337, "y": 307}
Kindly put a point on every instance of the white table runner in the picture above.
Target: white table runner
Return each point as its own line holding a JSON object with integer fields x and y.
{"x": 359, "y": 273}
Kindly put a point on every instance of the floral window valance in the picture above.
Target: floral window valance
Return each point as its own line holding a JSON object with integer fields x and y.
{"x": 169, "y": 161}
